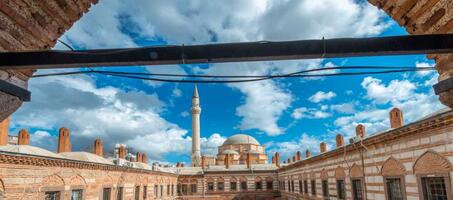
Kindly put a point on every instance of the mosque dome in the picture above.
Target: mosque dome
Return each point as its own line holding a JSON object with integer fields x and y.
{"x": 30, "y": 150}
{"x": 87, "y": 157}
{"x": 241, "y": 139}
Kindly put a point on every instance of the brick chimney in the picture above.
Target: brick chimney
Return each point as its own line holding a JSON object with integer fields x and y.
{"x": 98, "y": 148}
{"x": 273, "y": 159}
{"x": 4, "y": 130}
{"x": 139, "y": 157}
{"x": 122, "y": 152}
{"x": 226, "y": 161}
{"x": 360, "y": 131}
{"x": 340, "y": 140}
{"x": 396, "y": 118}
{"x": 23, "y": 138}
{"x": 294, "y": 158}
{"x": 323, "y": 147}
{"x": 277, "y": 159}
{"x": 182, "y": 164}
{"x": 64, "y": 142}
{"x": 298, "y": 156}
{"x": 203, "y": 162}
{"x": 249, "y": 161}
{"x": 288, "y": 161}
{"x": 144, "y": 158}
{"x": 307, "y": 154}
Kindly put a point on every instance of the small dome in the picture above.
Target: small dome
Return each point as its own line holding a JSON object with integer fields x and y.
{"x": 229, "y": 151}
{"x": 30, "y": 150}
{"x": 241, "y": 139}
{"x": 87, "y": 157}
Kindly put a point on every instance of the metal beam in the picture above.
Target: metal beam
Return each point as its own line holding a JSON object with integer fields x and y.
{"x": 230, "y": 52}
{"x": 14, "y": 90}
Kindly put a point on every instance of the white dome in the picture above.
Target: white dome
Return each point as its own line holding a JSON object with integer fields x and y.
{"x": 229, "y": 151}
{"x": 241, "y": 139}
{"x": 87, "y": 157}
{"x": 30, "y": 150}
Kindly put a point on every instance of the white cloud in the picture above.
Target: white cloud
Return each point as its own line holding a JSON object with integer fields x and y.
{"x": 309, "y": 113}
{"x": 424, "y": 64}
{"x": 209, "y": 146}
{"x": 347, "y": 108}
{"x": 322, "y": 96}
{"x": 176, "y": 92}
{"x": 185, "y": 114}
{"x": 394, "y": 92}
{"x": 288, "y": 149}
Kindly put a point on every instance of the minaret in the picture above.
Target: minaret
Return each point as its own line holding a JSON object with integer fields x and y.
{"x": 196, "y": 110}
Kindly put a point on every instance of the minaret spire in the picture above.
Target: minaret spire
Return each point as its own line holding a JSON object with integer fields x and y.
{"x": 196, "y": 110}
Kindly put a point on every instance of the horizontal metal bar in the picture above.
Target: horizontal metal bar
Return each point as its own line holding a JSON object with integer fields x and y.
{"x": 14, "y": 90}
{"x": 443, "y": 86}
{"x": 230, "y": 52}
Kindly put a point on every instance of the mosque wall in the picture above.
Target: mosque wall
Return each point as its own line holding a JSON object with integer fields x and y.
{"x": 401, "y": 163}
{"x": 35, "y": 177}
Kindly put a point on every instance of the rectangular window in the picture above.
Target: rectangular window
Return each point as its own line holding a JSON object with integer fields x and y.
{"x": 394, "y": 189}
{"x": 341, "y": 190}
{"x": 434, "y": 188}
{"x": 243, "y": 185}
{"x": 325, "y": 189}
{"x": 168, "y": 190}
{"x": 269, "y": 185}
{"x": 119, "y": 193}
{"x": 184, "y": 189}
{"x": 77, "y": 195}
{"x": 305, "y": 186}
{"x": 292, "y": 186}
{"x": 357, "y": 191}
{"x": 258, "y": 185}
{"x": 106, "y": 193}
{"x": 145, "y": 192}
{"x": 313, "y": 187}
{"x": 220, "y": 186}
{"x": 156, "y": 188}
{"x": 54, "y": 195}
{"x": 137, "y": 192}
{"x": 300, "y": 186}
{"x": 172, "y": 190}
{"x": 193, "y": 188}
{"x": 289, "y": 186}
{"x": 161, "y": 190}
{"x": 210, "y": 186}
{"x": 233, "y": 186}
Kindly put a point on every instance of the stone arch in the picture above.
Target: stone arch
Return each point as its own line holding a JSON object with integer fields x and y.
{"x": 258, "y": 179}
{"x": 269, "y": 178}
{"x": 107, "y": 180}
{"x": 53, "y": 180}
{"x": 233, "y": 179}
{"x": 431, "y": 162}
{"x": 340, "y": 173}
{"x": 324, "y": 175}
{"x": 2, "y": 189}
{"x": 392, "y": 167}
{"x": 356, "y": 171}
{"x": 210, "y": 179}
{"x": 312, "y": 175}
{"x": 77, "y": 180}
{"x": 242, "y": 178}
{"x": 220, "y": 179}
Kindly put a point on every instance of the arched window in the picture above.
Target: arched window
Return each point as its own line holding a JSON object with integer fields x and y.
{"x": 340, "y": 176}
{"x": 393, "y": 172}
{"x": 357, "y": 182}
{"x": 313, "y": 184}
{"x": 325, "y": 184}
{"x": 53, "y": 187}
{"x": 269, "y": 183}
{"x": 258, "y": 183}
{"x": 233, "y": 184}
{"x": 77, "y": 186}
{"x": 220, "y": 184}
{"x": 243, "y": 182}
{"x": 433, "y": 177}
{"x": 210, "y": 185}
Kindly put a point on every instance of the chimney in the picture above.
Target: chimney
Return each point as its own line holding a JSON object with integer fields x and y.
{"x": 122, "y": 152}
{"x": 249, "y": 161}
{"x": 277, "y": 159}
{"x": 139, "y": 157}
{"x": 273, "y": 160}
{"x": 360, "y": 131}
{"x": 307, "y": 154}
{"x": 64, "y": 143}
{"x": 182, "y": 164}
{"x": 203, "y": 162}
{"x": 144, "y": 158}
{"x": 98, "y": 149}
{"x": 131, "y": 159}
{"x": 294, "y": 158}
{"x": 289, "y": 160}
{"x": 177, "y": 164}
{"x": 340, "y": 140}
{"x": 24, "y": 137}
{"x": 298, "y": 156}
{"x": 4, "y": 129}
{"x": 323, "y": 147}
{"x": 226, "y": 161}
{"x": 396, "y": 118}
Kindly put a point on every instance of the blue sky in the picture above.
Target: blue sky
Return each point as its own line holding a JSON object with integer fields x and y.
{"x": 284, "y": 115}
